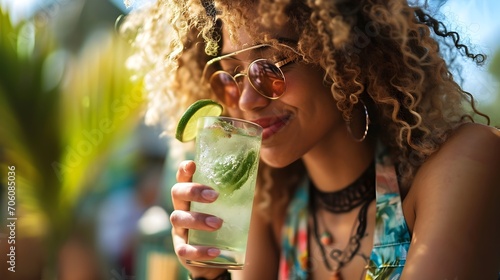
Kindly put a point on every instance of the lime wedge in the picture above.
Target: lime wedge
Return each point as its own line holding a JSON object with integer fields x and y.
{"x": 186, "y": 127}
{"x": 234, "y": 174}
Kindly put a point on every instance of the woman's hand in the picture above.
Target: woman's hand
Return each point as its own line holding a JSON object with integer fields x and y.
{"x": 183, "y": 192}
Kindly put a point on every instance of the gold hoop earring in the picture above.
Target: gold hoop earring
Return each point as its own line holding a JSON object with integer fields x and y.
{"x": 367, "y": 123}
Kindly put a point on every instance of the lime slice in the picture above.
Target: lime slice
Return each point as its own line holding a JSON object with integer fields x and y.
{"x": 245, "y": 169}
{"x": 234, "y": 174}
{"x": 186, "y": 127}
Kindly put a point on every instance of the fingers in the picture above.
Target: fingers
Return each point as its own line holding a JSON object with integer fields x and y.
{"x": 196, "y": 253}
{"x": 185, "y": 191}
{"x": 199, "y": 253}
{"x": 182, "y": 220}
{"x": 193, "y": 192}
{"x": 194, "y": 220}
{"x": 186, "y": 171}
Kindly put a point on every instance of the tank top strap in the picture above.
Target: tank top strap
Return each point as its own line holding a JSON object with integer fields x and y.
{"x": 389, "y": 205}
{"x": 391, "y": 240}
{"x": 294, "y": 243}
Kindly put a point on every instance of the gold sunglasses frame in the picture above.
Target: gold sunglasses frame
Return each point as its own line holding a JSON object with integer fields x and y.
{"x": 278, "y": 64}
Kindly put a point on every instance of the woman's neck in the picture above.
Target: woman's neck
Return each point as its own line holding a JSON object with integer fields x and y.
{"x": 337, "y": 161}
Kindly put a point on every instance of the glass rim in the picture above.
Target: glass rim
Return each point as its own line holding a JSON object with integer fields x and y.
{"x": 233, "y": 119}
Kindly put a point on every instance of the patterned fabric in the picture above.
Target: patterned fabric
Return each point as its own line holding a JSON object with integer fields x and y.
{"x": 391, "y": 236}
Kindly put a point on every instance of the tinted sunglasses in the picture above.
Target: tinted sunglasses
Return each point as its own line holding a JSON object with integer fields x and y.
{"x": 264, "y": 75}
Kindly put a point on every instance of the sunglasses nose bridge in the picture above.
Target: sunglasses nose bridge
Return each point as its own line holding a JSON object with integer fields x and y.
{"x": 264, "y": 80}
{"x": 244, "y": 83}
{"x": 250, "y": 98}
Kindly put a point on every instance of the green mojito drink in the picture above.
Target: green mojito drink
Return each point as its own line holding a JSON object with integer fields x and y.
{"x": 227, "y": 157}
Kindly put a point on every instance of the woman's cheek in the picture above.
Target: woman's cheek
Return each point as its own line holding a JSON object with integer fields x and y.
{"x": 234, "y": 112}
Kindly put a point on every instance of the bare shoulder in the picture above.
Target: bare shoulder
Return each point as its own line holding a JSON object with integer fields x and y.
{"x": 471, "y": 151}
{"x": 468, "y": 161}
{"x": 474, "y": 141}
{"x": 454, "y": 206}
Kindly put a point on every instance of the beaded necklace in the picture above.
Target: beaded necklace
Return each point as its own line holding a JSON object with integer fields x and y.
{"x": 360, "y": 192}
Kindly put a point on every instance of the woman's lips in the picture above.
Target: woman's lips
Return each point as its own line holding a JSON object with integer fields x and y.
{"x": 272, "y": 125}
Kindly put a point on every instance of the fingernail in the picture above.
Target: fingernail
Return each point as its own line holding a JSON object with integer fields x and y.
{"x": 213, "y": 252}
{"x": 213, "y": 222}
{"x": 181, "y": 252}
{"x": 184, "y": 167}
{"x": 209, "y": 194}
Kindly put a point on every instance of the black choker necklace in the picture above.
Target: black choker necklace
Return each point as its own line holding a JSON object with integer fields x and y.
{"x": 350, "y": 197}
{"x": 360, "y": 192}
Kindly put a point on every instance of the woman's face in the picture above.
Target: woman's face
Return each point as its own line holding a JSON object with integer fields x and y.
{"x": 303, "y": 118}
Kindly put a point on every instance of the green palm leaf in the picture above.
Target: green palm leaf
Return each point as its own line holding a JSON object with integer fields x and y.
{"x": 60, "y": 117}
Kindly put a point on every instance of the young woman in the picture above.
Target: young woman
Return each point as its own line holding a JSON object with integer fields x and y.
{"x": 371, "y": 168}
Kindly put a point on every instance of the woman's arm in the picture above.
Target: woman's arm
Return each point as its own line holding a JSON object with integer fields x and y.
{"x": 456, "y": 200}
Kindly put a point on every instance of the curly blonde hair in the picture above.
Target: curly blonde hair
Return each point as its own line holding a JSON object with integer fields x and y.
{"x": 385, "y": 52}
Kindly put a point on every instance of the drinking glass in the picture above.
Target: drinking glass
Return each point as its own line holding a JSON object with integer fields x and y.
{"x": 227, "y": 158}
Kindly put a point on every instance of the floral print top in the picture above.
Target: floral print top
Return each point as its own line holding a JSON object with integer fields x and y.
{"x": 391, "y": 236}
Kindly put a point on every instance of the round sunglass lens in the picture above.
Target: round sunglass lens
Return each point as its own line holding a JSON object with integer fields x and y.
{"x": 225, "y": 88}
{"x": 266, "y": 78}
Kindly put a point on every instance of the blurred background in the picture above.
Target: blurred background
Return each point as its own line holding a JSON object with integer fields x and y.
{"x": 92, "y": 182}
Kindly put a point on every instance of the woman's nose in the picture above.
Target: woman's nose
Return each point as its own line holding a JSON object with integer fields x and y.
{"x": 250, "y": 99}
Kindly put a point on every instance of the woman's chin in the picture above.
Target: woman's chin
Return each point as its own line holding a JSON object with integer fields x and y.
{"x": 275, "y": 161}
